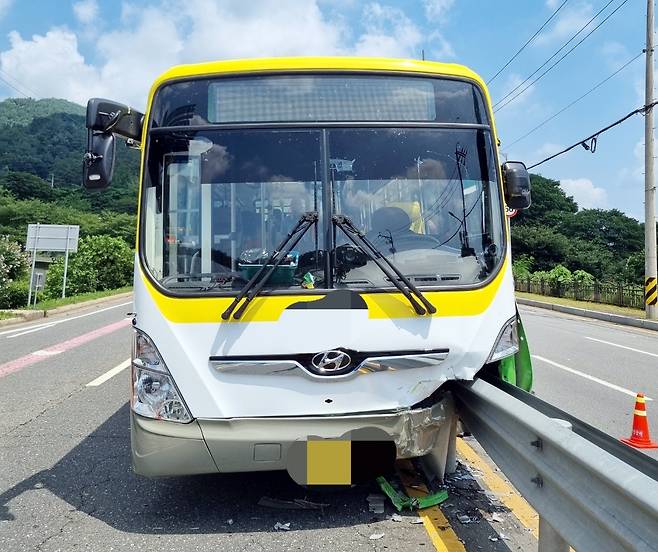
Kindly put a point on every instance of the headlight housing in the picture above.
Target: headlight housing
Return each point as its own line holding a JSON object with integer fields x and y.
{"x": 154, "y": 393}
{"x": 507, "y": 342}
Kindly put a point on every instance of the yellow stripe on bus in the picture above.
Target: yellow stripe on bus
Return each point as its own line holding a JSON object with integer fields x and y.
{"x": 196, "y": 310}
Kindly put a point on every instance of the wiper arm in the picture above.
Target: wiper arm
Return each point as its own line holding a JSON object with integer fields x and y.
{"x": 359, "y": 239}
{"x": 467, "y": 250}
{"x": 258, "y": 280}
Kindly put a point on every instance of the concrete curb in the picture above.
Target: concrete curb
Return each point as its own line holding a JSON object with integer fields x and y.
{"x": 605, "y": 316}
{"x": 27, "y": 316}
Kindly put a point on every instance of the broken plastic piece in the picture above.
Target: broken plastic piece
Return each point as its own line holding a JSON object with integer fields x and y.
{"x": 401, "y": 501}
{"x": 376, "y": 536}
{"x": 281, "y": 526}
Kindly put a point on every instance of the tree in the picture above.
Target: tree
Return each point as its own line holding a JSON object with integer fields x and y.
{"x": 549, "y": 203}
{"x": 24, "y": 185}
{"x": 547, "y": 246}
{"x": 611, "y": 229}
{"x": 101, "y": 263}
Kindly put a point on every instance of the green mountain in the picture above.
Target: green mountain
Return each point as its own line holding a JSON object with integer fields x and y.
{"x": 41, "y": 147}
{"x": 21, "y": 111}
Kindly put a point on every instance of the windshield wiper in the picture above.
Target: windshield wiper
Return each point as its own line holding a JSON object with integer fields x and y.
{"x": 467, "y": 250}
{"x": 258, "y": 280}
{"x": 394, "y": 274}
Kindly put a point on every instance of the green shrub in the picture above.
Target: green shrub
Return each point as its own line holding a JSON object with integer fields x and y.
{"x": 522, "y": 266}
{"x": 14, "y": 295}
{"x": 559, "y": 276}
{"x": 102, "y": 262}
{"x": 539, "y": 276}
{"x": 582, "y": 278}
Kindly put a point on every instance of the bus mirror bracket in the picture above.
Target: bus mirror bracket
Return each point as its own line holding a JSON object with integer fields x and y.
{"x": 516, "y": 182}
{"x": 105, "y": 118}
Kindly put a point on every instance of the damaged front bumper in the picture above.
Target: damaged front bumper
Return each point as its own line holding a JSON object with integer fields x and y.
{"x": 161, "y": 448}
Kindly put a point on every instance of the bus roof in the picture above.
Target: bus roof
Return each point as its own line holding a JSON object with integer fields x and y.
{"x": 319, "y": 64}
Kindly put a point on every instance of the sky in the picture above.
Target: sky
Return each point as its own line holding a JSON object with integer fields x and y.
{"x": 114, "y": 49}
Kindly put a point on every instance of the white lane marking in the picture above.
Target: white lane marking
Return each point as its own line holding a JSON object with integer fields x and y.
{"x": 622, "y": 346}
{"x": 587, "y": 376}
{"x": 109, "y": 374}
{"x": 43, "y": 326}
{"x": 46, "y": 353}
{"x": 32, "y": 330}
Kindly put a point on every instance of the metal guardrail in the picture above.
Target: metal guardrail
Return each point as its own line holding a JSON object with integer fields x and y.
{"x": 590, "y": 492}
{"x": 622, "y": 295}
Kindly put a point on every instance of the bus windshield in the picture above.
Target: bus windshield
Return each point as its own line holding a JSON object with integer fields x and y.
{"x": 217, "y": 202}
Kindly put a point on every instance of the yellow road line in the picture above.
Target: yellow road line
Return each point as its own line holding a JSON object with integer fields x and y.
{"x": 504, "y": 491}
{"x": 438, "y": 527}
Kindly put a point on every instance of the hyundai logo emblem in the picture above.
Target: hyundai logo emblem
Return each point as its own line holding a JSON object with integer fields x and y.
{"x": 331, "y": 361}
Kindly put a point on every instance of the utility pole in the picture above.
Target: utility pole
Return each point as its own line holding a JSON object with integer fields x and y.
{"x": 650, "y": 263}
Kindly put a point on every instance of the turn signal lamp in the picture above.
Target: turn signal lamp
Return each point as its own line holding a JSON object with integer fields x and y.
{"x": 154, "y": 394}
{"x": 507, "y": 343}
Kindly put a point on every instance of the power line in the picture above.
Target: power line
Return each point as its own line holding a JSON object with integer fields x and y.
{"x": 592, "y": 139}
{"x": 574, "y": 102}
{"x": 564, "y": 56}
{"x": 528, "y": 42}
{"x": 555, "y": 54}
{"x": 23, "y": 86}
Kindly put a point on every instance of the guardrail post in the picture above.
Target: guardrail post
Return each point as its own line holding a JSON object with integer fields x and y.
{"x": 549, "y": 539}
{"x": 442, "y": 460}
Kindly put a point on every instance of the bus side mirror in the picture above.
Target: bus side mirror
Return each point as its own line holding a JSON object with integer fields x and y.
{"x": 106, "y": 118}
{"x": 98, "y": 160}
{"x": 516, "y": 181}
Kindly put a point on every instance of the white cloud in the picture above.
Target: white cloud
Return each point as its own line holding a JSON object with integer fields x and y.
{"x": 52, "y": 65}
{"x": 585, "y": 193}
{"x": 4, "y": 7}
{"x": 170, "y": 32}
{"x": 388, "y": 32}
{"x": 86, "y": 11}
{"x": 437, "y": 9}
{"x": 567, "y": 23}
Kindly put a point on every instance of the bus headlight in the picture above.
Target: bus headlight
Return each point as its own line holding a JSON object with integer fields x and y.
{"x": 154, "y": 394}
{"x": 507, "y": 343}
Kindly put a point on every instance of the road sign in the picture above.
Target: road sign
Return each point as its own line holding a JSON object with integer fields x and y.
{"x": 511, "y": 212}
{"x": 54, "y": 238}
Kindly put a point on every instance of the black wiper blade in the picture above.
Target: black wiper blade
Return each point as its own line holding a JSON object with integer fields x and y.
{"x": 393, "y": 273}
{"x": 467, "y": 250}
{"x": 258, "y": 280}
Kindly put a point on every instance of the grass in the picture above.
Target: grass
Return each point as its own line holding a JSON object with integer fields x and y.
{"x": 54, "y": 303}
{"x": 601, "y": 307}
{"x": 4, "y": 315}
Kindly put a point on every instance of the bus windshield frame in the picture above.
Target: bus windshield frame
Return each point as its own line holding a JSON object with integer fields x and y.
{"x": 467, "y": 162}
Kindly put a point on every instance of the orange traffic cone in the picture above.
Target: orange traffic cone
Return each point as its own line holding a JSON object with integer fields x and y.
{"x": 640, "y": 437}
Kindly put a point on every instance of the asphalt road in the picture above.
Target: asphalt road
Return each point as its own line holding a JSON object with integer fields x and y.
{"x": 593, "y": 369}
{"x": 65, "y": 476}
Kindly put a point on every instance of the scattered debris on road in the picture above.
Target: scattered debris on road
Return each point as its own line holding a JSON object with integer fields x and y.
{"x": 402, "y": 501}
{"x": 296, "y": 504}
{"x": 282, "y": 526}
{"x": 376, "y": 503}
{"x": 376, "y": 536}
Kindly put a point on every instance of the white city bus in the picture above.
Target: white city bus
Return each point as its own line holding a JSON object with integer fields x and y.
{"x": 322, "y": 245}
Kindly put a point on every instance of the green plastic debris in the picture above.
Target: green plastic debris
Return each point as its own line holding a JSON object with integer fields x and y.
{"x": 308, "y": 282}
{"x": 402, "y": 501}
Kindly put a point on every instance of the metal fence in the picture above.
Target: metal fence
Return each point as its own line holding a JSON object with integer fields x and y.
{"x": 623, "y": 295}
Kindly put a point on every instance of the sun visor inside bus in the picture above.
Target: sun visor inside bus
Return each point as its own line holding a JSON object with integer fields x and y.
{"x": 316, "y": 99}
